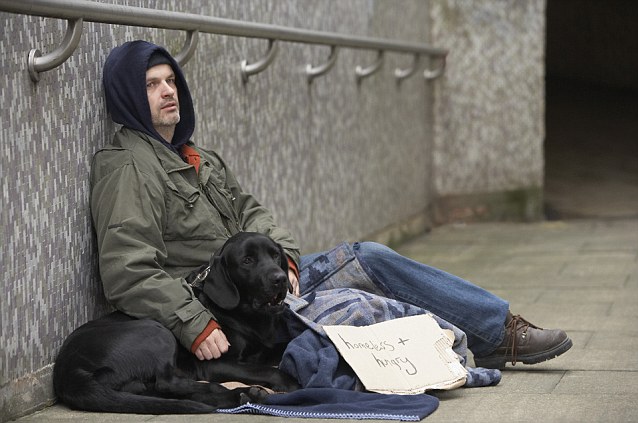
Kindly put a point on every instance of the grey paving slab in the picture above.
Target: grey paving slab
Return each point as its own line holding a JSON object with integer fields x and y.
{"x": 574, "y": 316}
{"x": 519, "y": 296}
{"x": 523, "y": 382}
{"x": 624, "y": 341}
{"x": 617, "y": 324}
{"x": 601, "y": 268}
{"x": 625, "y": 309}
{"x": 570, "y": 321}
{"x": 548, "y": 280}
{"x": 611, "y": 360}
{"x": 616, "y": 383}
{"x": 602, "y": 262}
{"x": 585, "y": 296}
{"x": 583, "y": 407}
{"x": 539, "y": 267}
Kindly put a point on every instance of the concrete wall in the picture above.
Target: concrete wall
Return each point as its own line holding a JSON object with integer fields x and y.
{"x": 489, "y": 109}
{"x": 334, "y": 160}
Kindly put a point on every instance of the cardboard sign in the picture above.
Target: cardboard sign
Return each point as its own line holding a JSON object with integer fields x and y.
{"x": 409, "y": 355}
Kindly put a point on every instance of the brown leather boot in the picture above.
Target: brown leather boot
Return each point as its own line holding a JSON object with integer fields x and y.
{"x": 525, "y": 343}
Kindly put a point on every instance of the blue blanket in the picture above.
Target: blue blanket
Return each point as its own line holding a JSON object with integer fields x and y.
{"x": 323, "y": 403}
{"x": 314, "y": 361}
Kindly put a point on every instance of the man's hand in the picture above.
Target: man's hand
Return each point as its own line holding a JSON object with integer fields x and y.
{"x": 213, "y": 346}
{"x": 294, "y": 283}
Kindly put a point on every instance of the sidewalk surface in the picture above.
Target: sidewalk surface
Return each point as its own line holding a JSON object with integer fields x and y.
{"x": 578, "y": 275}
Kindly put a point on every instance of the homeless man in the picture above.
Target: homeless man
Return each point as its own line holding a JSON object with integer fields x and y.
{"x": 161, "y": 205}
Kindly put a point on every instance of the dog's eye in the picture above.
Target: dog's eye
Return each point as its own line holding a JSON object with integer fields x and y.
{"x": 248, "y": 260}
{"x": 276, "y": 256}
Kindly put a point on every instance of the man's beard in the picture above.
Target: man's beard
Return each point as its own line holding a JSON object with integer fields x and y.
{"x": 166, "y": 121}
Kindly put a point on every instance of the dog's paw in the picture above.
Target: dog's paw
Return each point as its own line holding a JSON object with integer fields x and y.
{"x": 254, "y": 394}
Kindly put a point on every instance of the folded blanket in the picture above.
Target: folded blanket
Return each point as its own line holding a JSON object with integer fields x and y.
{"x": 312, "y": 358}
{"x": 326, "y": 403}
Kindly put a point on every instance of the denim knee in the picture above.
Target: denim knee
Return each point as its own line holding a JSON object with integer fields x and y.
{"x": 368, "y": 250}
{"x": 375, "y": 259}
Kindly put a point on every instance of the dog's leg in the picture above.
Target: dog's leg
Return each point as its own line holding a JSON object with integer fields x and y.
{"x": 224, "y": 370}
{"x": 211, "y": 393}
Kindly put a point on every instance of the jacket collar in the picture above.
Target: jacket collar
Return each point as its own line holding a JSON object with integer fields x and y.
{"x": 170, "y": 161}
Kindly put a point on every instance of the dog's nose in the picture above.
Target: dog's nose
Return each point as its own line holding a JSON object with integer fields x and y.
{"x": 280, "y": 279}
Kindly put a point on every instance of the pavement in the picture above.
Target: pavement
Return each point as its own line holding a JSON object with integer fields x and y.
{"x": 577, "y": 275}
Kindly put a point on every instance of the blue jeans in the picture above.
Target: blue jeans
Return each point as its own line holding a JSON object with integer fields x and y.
{"x": 479, "y": 313}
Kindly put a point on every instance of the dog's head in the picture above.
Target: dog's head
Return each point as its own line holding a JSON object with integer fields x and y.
{"x": 251, "y": 271}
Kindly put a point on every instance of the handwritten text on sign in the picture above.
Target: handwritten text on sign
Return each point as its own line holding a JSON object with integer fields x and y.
{"x": 406, "y": 355}
{"x": 400, "y": 362}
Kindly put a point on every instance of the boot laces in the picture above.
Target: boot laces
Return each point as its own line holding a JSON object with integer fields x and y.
{"x": 514, "y": 326}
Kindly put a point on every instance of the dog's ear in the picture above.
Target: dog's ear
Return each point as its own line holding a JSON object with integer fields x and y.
{"x": 219, "y": 287}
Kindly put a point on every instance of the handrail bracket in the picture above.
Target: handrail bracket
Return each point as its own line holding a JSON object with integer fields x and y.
{"x": 192, "y": 37}
{"x": 313, "y": 72}
{"x": 37, "y": 63}
{"x": 401, "y": 74}
{"x": 431, "y": 74}
{"x": 362, "y": 73}
{"x": 249, "y": 69}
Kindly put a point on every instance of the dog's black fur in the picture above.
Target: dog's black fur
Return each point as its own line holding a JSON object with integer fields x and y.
{"x": 121, "y": 364}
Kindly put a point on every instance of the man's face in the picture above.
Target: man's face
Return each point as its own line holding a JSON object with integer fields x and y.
{"x": 162, "y": 98}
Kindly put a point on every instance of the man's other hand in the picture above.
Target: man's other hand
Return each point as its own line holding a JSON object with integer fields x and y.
{"x": 213, "y": 346}
{"x": 294, "y": 283}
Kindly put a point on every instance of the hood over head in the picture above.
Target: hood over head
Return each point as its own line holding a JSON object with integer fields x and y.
{"x": 124, "y": 80}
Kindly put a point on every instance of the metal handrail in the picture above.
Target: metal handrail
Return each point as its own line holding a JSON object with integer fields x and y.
{"x": 76, "y": 11}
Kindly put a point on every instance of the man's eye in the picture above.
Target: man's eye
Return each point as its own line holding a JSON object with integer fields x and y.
{"x": 170, "y": 81}
{"x": 150, "y": 84}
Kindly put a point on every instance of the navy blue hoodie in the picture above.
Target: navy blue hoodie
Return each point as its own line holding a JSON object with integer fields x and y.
{"x": 124, "y": 82}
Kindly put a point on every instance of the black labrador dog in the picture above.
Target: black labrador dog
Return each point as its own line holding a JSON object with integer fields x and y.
{"x": 121, "y": 364}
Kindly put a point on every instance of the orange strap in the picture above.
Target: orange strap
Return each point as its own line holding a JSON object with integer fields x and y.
{"x": 191, "y": 156}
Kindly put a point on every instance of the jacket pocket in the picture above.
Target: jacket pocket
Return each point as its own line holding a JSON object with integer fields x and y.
{"x": 189, "y": 215}
{"x": 186, "y": 192}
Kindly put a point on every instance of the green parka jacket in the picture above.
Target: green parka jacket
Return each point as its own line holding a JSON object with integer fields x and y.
{"x": 157, "y": 219}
